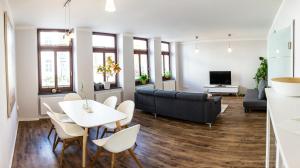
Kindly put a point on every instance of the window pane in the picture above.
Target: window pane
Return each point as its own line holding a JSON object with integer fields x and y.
{"x": 136, "y": 66}
{"x": 139, "y": 44}
{"x": 97, "y": 61}
{"x": 63, "y": 69}
{"x": 110, "y": 78}
{"x": 144, "y": 64}
{"x": 53, "y": 39}
{"x": 167, "y": 63}
{"x": 47, "y": 69}
{"x": 102, "y": 41}
{"x": 165, "y": 47}
{"x": 162, "y": 64}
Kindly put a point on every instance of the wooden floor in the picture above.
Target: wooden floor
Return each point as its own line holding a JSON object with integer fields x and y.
{"x": 237, "y": 139}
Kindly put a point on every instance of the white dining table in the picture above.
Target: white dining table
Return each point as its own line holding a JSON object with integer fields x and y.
{"x": 99, "y": 115}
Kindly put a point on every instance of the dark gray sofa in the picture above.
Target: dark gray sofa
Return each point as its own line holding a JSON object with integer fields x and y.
{"x": 251, "y": 101}
{"x": 194, "y": 107}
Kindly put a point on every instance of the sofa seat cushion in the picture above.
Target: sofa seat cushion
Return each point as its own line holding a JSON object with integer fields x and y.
{"x": 166, "y": 94}
{"x": 192, "y": 96}
{"x": 146, "y": 91}
{"x": 251, "y": 99}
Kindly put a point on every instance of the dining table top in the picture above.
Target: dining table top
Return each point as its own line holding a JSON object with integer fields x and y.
{"x": 98, "y": 115}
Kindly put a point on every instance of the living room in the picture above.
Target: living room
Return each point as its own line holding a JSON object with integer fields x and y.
{"x": 138, "y": 84}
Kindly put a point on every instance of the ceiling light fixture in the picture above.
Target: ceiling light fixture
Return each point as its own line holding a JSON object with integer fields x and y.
{"x": 110, "y": 6}
{"x": 196, "y": 45}
{"x": 229, "y": 49}
{"x": 69, "y": 33}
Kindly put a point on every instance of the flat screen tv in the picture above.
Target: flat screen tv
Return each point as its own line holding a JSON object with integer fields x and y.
{"x": 220, "y": 77}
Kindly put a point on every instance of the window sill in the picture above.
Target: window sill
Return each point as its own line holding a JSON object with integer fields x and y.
{"x": 111, "y": 88}
{"x": 60, "y": 93}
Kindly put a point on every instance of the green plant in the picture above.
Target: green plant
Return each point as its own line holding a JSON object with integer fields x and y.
{"x": 109, "y": 69}
{"x": 262, "y": 71}
{"x": 144, "y": 78}
{"x": 167, "y": 76}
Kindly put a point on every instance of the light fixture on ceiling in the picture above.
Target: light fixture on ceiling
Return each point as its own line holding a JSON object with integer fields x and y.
{"x": 69, "y": 33}
{"x": 110, "y": 6}
{"x": 196, "y": 45}
{"x": 229, "y": 49}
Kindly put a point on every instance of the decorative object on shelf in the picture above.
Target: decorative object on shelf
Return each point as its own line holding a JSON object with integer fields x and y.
{"x": 262, "y": 71}
{"x": 85, "y": 105}
{"x": 196, "y": 45}
{"x": 53, "y": 91}
{"x": 229, "y": 49}
{"x": 144, "y": 79}
{"x": 108, "y": 69}
{"x": 287, "y": 86}
{"x": 9, "y": 64}
{"x": 167, "y": 76}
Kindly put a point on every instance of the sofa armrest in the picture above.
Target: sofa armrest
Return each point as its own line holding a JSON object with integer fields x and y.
{"x": 215, "y": 99}
{"x": 212, "y": 108}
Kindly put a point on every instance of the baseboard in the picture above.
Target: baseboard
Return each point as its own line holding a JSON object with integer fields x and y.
{"x": 14, "y": 146}
{"x": 28, "y": 119}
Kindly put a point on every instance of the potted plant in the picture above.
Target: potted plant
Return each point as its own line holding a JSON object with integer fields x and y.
{"x": 262, "y": 71}
{"x": 144, "y": 79}
{"x": 167, "y": 76}
{"x": 109, "y": 69}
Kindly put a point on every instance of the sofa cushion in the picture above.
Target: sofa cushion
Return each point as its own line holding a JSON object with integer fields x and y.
{"x": 261, "y": 89}
{"x": 192, "y": 96}
{"x": 146, "y": 91}
{"x": 169, "y": 94}
{"x": 251, "y": 100}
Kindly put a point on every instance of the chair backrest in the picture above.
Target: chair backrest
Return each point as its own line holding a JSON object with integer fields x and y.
{"x": 127, "y": 107}
{"x": 111, "y": 102}
{"x": 72, "y": 96}
{"x": 122, "y": 140}
{"x": 48, "y": 107}
{"x": 58, "y": 126}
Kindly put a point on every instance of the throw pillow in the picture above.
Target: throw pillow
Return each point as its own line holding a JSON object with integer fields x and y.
{"x": 261, "y": 89}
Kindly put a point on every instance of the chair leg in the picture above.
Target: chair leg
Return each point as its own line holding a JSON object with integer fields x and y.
{"x": 97, "y": 135}
{"x": 62, "y": 154}
{"x": 55, "y": 144}
{"x": 51, "y": 129}
{"x": 135, "y": 158}
{"x": 113, "y": 158}
{"x": 104, "y": 131}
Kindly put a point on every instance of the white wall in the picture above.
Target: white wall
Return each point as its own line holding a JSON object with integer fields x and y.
{"x": 213, "y": 56}
{"x": 27, "y": 74}
{"x": 8, "y": 126}
{"x": 288, "y": 11}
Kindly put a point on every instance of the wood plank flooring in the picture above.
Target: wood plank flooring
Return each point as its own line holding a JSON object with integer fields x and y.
{"x": 237, "y": 139}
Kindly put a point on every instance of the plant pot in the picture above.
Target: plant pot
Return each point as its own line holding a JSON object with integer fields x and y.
{"x": 106, "y": 85}
{"x": 143, "y": 82}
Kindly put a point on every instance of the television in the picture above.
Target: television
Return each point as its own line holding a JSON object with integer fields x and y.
{"x": 220, "y": 77}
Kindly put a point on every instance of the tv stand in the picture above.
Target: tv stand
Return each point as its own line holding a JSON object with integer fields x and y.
{"x": 222, "y": 89}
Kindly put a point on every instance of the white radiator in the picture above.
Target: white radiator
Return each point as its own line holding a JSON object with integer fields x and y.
{"x": 52, "y": 101}
{"x": 169, "y": 85}
{"x": 101, "y": 96}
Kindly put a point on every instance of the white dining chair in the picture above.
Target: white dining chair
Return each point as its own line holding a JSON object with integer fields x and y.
{"x": 72, "y": 96}
{"x": 126, "y": 107}
{"x": 119, "y": 142}
{"x": 67, "y": 134}
{"x": 60, "y": 116}
{"x": 110, "y": 102}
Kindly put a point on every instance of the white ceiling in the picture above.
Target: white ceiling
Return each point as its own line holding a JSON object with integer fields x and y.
{"x": 173, "y": 20}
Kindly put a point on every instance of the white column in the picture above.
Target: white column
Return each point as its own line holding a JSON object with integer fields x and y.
{"x": 126, "y": 61}
{"x": 174, "y": 62}
{"x": 83, "y": 62}
{"x": 155, "y": 61}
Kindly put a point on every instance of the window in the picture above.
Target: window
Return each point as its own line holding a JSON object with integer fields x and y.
{"x": 141, "y": 66}
{"x": 55, "y": 61}
{"x": 165, "y": 53}
{"x": 104, "y": 46}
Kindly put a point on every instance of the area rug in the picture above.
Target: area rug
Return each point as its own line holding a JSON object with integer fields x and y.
{"x": 224, "y": 107}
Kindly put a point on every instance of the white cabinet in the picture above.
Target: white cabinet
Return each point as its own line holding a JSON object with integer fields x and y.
{"x": 52, "y": 101}
{"x": 169, "y": 85}
{"x": 229, "y": 89}
{"x": 101, "y": 96}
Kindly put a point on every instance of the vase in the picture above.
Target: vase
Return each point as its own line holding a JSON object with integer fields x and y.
{"x": 106, "y": 85}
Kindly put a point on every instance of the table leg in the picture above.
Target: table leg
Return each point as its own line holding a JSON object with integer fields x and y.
{"x": 118, "y": 126}
{"x": 84, "y": 146}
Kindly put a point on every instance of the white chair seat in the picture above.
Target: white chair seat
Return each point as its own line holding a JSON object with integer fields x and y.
{"x": 71, "y": 130}
{"x": 63, "y": 118}
{"x": 101, "y": 142}
{"x": 112, "y": 126}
